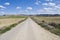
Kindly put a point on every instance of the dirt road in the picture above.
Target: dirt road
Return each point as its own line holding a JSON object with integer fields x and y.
{"x": 28, "y": 30}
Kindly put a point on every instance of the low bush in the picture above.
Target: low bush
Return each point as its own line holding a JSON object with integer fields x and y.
{"x": 55, "y": 25}
{"x": 43, "y": 21}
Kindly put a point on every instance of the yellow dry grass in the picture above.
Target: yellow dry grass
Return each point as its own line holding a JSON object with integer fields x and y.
{"x": 49, "y": 19}
{"x": 9, "y": 21}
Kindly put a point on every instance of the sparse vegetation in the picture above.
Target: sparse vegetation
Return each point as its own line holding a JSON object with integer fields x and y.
{"x": 5, "y": 29}
{"x": 12, "y": 16}
{"x": 8, "y": 23}
{"x": 55, "y": 25}
{"x": 50, "y": 23}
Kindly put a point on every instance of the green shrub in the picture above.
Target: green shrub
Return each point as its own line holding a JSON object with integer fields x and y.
{"x": 43, "y": 21}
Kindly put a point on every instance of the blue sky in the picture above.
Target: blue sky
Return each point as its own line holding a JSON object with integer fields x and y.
{"x": 29, "y": 7}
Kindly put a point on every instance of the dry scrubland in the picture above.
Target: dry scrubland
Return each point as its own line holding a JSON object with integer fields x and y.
{"x": 50, "y": 23}
{"x": 49, "y": 19}
{"x": 5, "y": 22}
{"x": 8, "y": 22}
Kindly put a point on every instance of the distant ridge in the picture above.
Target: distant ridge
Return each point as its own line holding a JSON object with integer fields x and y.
{"x": 31, "y": 15}
{"x": 48, "y": 15}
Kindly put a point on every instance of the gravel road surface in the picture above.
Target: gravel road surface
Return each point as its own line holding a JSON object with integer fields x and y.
{"x": 28, "y": 30}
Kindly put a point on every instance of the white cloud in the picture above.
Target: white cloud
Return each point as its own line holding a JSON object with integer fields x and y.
{"x": 37, "y": 2}
{"x": 52, "y": 4}
{"x": 18, "y": 7}
{"x": 49, "y": 0}
{"x": 26, "y": 11}
{"x": 2, "y": 6}
{"x": 49, "y": 4}
{"x": 7, "y": 3}
{"x": 45, "y": 4}
{"x": 57, "y": 6}
{"x": 49, "y": 10}
{"x": 29, "y": 8}
{"x": 43, "y": 11}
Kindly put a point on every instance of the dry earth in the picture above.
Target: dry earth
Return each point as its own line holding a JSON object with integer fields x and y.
{"x": 8, "y": 21}
{"x": 28, "y": 30}
{"x": 49, "y": 19}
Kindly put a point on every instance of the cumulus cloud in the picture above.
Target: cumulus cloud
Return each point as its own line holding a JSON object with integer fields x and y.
{"x": 57, "y": 6}
{"x": 7, "y": 3}
{"x": 50, "y": 10}
{"x": 26, "y": 11}
{"x": 45, "y": 4}
{"x": 37, "y": 2}
{"x": 52, "y": 4}
{"x": 49, "y": 0}
{"x": 18, "y": 7}
{"x": 45, "y": 11}
{"x": 49, "y": 4}
{"x": 53, "y": 8}
{"x": 29, "y": 8}
{"x": 1, "y": 6}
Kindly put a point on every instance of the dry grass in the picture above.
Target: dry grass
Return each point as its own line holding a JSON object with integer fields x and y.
{"x": 49, "y": 19}
{"x": 49, "y": 23}
{"x": 8, "y": 21}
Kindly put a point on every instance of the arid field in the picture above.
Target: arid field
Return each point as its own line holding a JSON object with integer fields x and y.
{"x": 8, "y": 21}
{"x": 51, "y": 23}
{"x": 49, "y": 19}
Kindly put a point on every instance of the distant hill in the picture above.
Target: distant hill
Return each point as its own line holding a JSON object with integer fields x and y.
{"x": 48, "y": 15}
